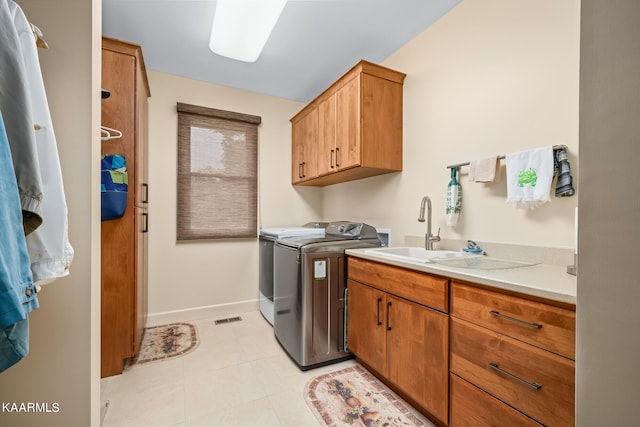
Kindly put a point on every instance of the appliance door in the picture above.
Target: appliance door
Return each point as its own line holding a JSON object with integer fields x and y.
{"x": 287, "y": 301}
{"x": 324, "y": 280}
{"x": 265, "y": 277}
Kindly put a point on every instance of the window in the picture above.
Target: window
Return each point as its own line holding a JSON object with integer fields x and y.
{"x": 217, "y": 173}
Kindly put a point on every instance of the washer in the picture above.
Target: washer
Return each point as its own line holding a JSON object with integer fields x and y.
{"x": 310, "y": 292}
{"x": 266, "y": 239}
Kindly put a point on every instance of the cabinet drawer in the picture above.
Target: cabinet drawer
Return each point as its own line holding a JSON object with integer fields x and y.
{"x": 471, "y": 406}
{"x": 421, "y": 288}
{"x": 538, "y": 383}
{"x": 539, "y": 324}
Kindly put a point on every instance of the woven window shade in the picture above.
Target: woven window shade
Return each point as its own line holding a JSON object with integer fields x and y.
{"x": 217, "y": 174}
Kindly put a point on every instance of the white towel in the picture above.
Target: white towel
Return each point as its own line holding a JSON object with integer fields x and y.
{"x": 484, "y": 170}
{"x": 529, "y": 177}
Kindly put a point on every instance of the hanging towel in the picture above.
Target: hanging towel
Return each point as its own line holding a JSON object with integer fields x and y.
{"x": 562, "y": 168}
{"x": 484, "y": 170}
{"x": 454, "y": 199}
{"x": 529, "y": 177}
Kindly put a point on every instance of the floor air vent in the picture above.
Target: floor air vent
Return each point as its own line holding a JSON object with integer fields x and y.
{"x": 227, "y": 320}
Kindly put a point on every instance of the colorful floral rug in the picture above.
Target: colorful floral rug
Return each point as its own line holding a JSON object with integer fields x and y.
{"x": 354, "y": 397}
{"x": 166, "y": 341}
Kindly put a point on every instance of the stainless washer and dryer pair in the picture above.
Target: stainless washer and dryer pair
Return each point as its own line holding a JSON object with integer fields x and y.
{"x": 310, "y": 292}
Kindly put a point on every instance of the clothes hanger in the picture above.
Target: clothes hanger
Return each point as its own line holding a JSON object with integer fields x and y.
{"x": 106, "y": 133}
{"x": 40, "y": 42}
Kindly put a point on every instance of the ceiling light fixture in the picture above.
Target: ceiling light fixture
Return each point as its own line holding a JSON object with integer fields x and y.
{"x": 241, "y": 27}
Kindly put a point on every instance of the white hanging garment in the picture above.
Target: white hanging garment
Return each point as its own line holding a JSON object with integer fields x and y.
{"x": 16, "y": 110}
{"x": 49, "y": 248}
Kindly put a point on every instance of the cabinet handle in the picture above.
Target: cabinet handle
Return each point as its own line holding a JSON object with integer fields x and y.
{"x": 388, "y": 311}
{"x": 145, "y": 197}
{"x": 337, "y": 157}
{"x": 513, "y": 319}
{"x": 303, "y": 163}
{"x": 299, "y": 170}
{"x": 145, "y": 222}
{"x": 331, "y": 159}
{"x": 379, "y": 303}
{"x": 494, "y": 366}
{"x": 329, "y": 286}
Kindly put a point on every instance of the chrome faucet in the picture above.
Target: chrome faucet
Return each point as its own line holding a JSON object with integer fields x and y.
{"x": 429, "y": 237}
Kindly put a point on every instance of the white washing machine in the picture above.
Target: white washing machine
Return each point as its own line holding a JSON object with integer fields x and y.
{"x": 267, "y": 238}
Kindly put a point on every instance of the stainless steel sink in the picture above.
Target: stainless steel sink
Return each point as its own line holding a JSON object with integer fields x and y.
{"x": 413, "y": 254}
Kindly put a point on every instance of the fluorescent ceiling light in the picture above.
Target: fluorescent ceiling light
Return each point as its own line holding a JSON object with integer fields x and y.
{"x": 241, "y": 27}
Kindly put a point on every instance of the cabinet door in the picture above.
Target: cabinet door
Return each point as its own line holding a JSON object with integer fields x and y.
{"x": 381, "y": 121}
{"x": 327, "y": 136}
{"x": 141, "y": 294}
{"x": 417, "y": 354}
{"x": 348, "y": 122}
{"x": 366, "y": 325}
{"x": 304, "y": 135}
{"x": 142, "y": 202}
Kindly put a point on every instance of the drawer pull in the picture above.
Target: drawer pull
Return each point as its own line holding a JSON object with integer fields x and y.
{"x": 388, "y": 311}
{"x": 509, "y": 374}
{"x": 513, "y": 319}
{"x": 379, "y": 320}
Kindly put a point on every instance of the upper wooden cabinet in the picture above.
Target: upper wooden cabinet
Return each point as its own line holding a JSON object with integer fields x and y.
{"x": 352, "y": 130}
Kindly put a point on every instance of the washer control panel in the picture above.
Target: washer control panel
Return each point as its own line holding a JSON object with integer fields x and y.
{"x": 350, "y": 230}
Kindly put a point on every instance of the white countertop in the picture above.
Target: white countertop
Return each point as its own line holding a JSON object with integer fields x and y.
{"x": 541, "y": 280}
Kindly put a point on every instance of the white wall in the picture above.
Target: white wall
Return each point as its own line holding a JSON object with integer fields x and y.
{"x": 490, "y": 77}
{"x": 608, "y": 347}
{"x": 63, "y": 363}
{"x": 213, "y": 273}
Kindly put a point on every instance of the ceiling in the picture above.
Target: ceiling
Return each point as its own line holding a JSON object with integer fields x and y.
{"x": 314, "y": 41}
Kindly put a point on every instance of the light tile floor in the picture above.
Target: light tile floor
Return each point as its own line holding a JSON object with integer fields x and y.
{"x": 238, "y": 376}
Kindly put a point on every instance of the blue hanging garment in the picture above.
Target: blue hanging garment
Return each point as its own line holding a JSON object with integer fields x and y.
{"x": 115, "y": 184}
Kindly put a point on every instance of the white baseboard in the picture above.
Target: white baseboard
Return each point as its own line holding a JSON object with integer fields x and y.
{"x": 211, "y": 311}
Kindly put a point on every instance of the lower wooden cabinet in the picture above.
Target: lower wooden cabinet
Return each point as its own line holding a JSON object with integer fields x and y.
{"x": 516, "y": 353}
{"x": 464, "y": 354}
{"x": 404, "y": 342}
{"x": 534, "y": 381}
